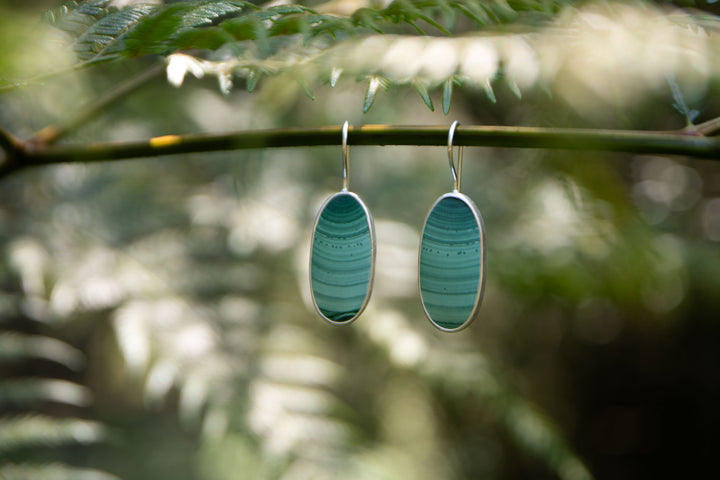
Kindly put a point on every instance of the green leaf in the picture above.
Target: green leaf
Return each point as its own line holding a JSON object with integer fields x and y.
{"x": 51, "y": 471}
{"x": 22, "y": 391}
{"x": 150, "y": 36}
{"x": 423, "y": 92}
{"x": 405, "y": 11}
{"x": 473, "y": 11}
{"x": 249, "y": 27}
{"x": 373, "y": 85}
{"x": 330, "y": 25}
{"x": 280, "y": 38}
{"x": 40, "y": 430}
{"x": 367, "y": 18}
{"x": 212, "y": 12}
{"x": 104, "y": 33}
{"x": 75, "y": 18}
{"x": 17, "y": 347}
{"x": 335, "y": 76}
{"x": 447, "y": 11}
{"x": 175, "y": 27}
{"x": 101, "y": 37}
{"x": 513, "y": 86}
{"x": 279, "y": 10}
{"x": 242, "y": 28}
{"x": 252, "y": 79}
{"x": 489, "y": 91}
{"x": 205, "y": 38}
{"x": 447, "y": 95}
{"x": 304, "y": 86}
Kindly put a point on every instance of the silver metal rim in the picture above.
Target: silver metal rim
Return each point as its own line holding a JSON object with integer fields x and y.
{"x": 371, "y": 226}
{"x": 481, "y": 281}
{"x": 456, "y": 172}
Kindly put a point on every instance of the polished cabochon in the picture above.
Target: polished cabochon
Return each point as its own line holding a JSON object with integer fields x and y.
{"x": 342, "y": 261}
{"x": 452, "y": 262}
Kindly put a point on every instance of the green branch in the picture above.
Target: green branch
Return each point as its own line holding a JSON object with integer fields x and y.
{"x": 22, "y": 155}
{"x": 10, "y": 86}
{"x": 13, "y": 150}
{"x": 53, "y": 133}
{"x": 711, "y": 127}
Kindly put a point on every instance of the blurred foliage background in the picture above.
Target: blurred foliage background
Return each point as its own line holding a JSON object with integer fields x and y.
{"x": 154, "y": 317}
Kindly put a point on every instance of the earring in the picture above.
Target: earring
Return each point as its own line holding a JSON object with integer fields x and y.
{"x": 342, "y": 260}
{"x": 452, "y": 255}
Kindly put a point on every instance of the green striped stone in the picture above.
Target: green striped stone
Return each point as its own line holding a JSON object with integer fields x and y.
{"x": 341, "y": 264}
{"x": 451, "y": 262}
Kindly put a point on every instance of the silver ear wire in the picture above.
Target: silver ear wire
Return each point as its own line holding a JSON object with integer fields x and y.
{"x": 345, "y": 158}
{"x": 456, "y": 173}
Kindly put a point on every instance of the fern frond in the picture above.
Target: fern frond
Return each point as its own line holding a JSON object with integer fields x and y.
{"x": 51, "y": 471}
{"x": 159, "y": 32}
{"x": 28, "y": 391}
{"x": 212, "y": 12}
{"x": 102, "y": 31}
{"x": 526, "y": 426}
{"x": 103, "y": 35}
{"x": 293, "y": 409}
{"x": 241, "y": 33}
{"x": 76, "y": 17}
{"x": 32, "y": 431}
{"x": 16, "y": 347}
{"x": 238, "y": 38}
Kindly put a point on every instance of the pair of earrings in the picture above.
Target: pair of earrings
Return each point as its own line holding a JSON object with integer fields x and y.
{"x": 451, "y": 258}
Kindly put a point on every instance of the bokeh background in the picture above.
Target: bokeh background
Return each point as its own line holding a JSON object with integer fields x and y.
{"x": 155, "y": 318}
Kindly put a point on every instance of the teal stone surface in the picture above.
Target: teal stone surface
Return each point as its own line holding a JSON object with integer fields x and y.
{"x": 341, "y": 263}
{"x": 451, "y": 262}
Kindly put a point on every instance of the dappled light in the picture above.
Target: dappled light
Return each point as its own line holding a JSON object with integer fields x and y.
{"x": 664, "y": 186}
{"x": 711, "y": 219}
{"x": 404, "y": 344}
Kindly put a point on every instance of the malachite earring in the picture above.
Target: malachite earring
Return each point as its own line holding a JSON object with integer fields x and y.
{"x": 342, "y": 260}
{"x": 452, "y": 255}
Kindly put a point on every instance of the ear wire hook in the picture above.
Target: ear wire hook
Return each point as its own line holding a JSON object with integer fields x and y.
{"x": 345, "y": 158}
{"x": 456, "y": 173}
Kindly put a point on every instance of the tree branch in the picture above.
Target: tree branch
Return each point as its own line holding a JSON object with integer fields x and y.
{"x": 711, "y": 127}
{"x": 664, "y": 143}
{"x": 13, "y": 153}
{"x": 10, "y": 86}
{"x": 53, "y": 133}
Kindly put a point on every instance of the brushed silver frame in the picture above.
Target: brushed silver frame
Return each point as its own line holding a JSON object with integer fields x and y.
{"x": 481, "y": 281}
{"x": 373, "y": 251}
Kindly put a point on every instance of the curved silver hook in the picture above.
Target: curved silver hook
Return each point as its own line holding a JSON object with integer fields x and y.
{"x": 345, "y": 157}
{"x": 456, "y": 173}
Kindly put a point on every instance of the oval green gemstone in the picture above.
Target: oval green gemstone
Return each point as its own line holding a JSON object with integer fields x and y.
{"x": 342, "y": 259}
{"x": 452, "y": 262}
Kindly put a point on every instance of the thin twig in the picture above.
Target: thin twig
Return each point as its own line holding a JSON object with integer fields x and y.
{"x": 12, "y": 150}
{"x": 708, "y": 128}
{"x": 53, "y": 133}
{"x": 7, "y": 87}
